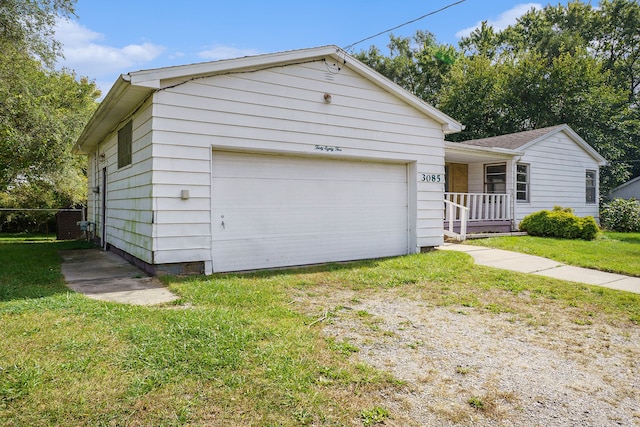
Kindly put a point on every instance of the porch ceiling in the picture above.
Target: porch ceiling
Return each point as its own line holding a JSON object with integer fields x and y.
{"x": 458, "y": 152}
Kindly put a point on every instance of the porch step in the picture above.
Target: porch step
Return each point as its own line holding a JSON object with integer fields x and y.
{"x": 478, "y": 227}
{"x": 487, "y": 235}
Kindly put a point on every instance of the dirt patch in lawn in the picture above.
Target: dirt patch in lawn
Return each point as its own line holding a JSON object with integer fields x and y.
{"x": 539, "y": 365}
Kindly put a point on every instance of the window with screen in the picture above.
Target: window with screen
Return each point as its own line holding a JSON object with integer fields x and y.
{"x": 590, "y": 183}
{"x": 125, "y": 140}
{"x": 495, "y": 178}
{"x": 522, "y": 182}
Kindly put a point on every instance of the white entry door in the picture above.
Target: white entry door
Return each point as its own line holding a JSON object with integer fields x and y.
{"x": 274, "y": 211}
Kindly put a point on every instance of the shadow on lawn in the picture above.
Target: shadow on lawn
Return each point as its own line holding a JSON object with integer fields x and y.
{"x": 630, "y": 238}
{"x": 32, "y": 269}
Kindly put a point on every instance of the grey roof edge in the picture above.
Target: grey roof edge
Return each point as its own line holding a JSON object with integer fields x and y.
{"x": 110, "y": 114}
{"x": 626, "y": 184}
{"x": 575, "y": 137}
{"x": 542, "y": 134}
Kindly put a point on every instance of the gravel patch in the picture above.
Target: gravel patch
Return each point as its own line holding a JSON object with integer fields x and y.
{"x": 466, "y": 366}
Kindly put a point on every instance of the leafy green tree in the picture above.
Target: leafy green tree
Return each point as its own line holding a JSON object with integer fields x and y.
{"x": 42, "y": 110}
{"x": 574, "y": 64}
{"x": 27, "y": 27}
{"x": 418, "y": 63}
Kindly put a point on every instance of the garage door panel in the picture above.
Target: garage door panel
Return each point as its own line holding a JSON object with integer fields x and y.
{"x": 301, "y": 251}
{"x": 271, "y": 211}
{"x": 309, "y": 193}
{"x": 259, "y": 223}
{"x": 240, "y": 165}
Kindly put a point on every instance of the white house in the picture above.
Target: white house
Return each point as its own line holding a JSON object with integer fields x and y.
{"x": 504, "y": 178}
{"x": 292, "y": 158}
{"x": 628, "y": 190}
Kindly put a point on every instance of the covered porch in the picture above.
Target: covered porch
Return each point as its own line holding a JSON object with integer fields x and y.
{"x": 478, "y": 196}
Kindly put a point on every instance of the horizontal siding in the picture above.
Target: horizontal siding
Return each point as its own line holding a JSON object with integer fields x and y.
{"x": 129, "y": 191}
{"x": 278, "y": 110}
{"x": 557, "y": 177}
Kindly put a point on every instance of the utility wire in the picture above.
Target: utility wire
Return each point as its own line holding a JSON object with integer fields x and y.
{"x": 347, "y": 48}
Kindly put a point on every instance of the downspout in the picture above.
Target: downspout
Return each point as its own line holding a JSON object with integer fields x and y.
{"x": 514, "y": 188}
{"x": 95, "y": 195}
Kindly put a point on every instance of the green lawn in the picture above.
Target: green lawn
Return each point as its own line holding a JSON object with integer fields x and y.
{"x": 613, "y": 252}
{"x": 236, "y": 349}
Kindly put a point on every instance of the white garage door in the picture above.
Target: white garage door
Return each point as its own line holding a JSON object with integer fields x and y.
{"x": 273, "y": 211}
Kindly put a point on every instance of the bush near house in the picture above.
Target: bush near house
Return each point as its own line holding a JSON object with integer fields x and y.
{"x": 621, "y": 215}
{"x": 561, "y": 223}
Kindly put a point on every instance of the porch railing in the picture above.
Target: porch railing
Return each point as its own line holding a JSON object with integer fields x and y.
{"x": 481, "y": 206}
{"x": 455, "y": 212}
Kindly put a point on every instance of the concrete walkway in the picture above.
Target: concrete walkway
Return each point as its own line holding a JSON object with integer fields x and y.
{"x": 105, "y": 276}
{"x": 532, "y": 264}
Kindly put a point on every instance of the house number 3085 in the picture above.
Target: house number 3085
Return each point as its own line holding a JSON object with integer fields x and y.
{"x": 431, "y": 177}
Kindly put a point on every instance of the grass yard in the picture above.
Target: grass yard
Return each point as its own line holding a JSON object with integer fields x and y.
{"x": 612, "y": 252}
{"x": 236, "y": 349}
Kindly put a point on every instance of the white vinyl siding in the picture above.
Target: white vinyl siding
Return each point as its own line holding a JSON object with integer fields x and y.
{"x": 557, "y": 177}
{"x": 282, "y": 111}
{"x": 373, "y": 143}
{"x": 129, "y": 191}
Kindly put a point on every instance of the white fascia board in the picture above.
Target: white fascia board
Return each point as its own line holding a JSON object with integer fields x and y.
{"x": 475, "y": 149}
{"x": 168, "y": 76}
{"x": 156, "y": 78}
{"x": 99, "y": 121}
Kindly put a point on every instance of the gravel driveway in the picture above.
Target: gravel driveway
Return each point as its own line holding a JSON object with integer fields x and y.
{"x": 466, "y": 366}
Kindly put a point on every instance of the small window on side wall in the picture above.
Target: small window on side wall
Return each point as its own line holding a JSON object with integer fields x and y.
{"x": 125, "y": 141}
{"x": 590, "y": 184}
{"x": 522, "y": 182}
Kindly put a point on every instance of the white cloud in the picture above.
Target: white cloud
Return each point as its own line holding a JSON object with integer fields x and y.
{"x": 225, "y": 52}
{"x": 87, "y": 54}
{"x": 505, "y": 19}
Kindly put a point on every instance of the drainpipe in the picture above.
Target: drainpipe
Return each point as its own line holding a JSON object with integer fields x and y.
{"x": 514, "y": 191}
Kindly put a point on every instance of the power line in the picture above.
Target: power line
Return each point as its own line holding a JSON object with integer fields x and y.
{"x": 346, "y": 48}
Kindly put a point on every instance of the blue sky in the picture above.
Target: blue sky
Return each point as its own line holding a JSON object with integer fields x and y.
{"x": 113, "y": 37}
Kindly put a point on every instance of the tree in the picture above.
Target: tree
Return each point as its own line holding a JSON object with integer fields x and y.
{"x": 27, "y": 27}
{"x": 42, "y": 110}
{"x": 417, "y": 64}
{"x": 609, "y": 35}
{"x": 573, "y": 64}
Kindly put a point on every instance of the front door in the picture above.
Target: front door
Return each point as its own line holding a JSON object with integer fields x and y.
{"x": 457, "y": 178}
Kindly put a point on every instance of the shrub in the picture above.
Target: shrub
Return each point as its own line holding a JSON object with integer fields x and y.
{"x": 621, "y": 215}
{"x": 561, "y": 223}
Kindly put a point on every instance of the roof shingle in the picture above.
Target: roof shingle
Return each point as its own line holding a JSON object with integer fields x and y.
{"x": 512, "y": 141}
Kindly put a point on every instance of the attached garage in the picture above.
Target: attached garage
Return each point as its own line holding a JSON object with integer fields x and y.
{"x": 276, "y": 210}
{"x": 284, "y": 159}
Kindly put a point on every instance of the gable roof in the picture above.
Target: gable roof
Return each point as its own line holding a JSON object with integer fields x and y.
{"x": 132, "y": 89}
{"x": 522, "y": 140}
{"x": 633, "y": 182}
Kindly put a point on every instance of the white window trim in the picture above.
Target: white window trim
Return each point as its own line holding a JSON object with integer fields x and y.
{"x": 528, "y": 183}
{"x": 486, "y": 165}
{"x": 595, "y": 187}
